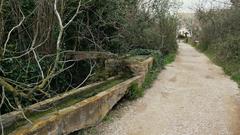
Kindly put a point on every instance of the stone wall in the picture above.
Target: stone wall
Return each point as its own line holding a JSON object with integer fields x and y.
{"x": 86, "y": 113}
{"x": 85, "y": 55}
{"x": 10, "y": 118}
{"x": 139, "y": 68}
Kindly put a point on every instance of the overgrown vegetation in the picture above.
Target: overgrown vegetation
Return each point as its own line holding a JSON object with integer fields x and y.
{"x": 66, "y": 103}
{"x": 136, "y": 91}
{"x": 37, "y": 36}
{"x": 153, "y": 73}
{"x": 219, "y": 38}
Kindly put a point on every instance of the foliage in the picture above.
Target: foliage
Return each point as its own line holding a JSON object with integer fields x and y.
{"x": 34, "y": 63}
{"x": 89, "y": 92}
{"x": 219, "y": 38}
{"x": 169, "y": 58}
{"x": 134, "y": 92}
{"x": 153, "y": 73}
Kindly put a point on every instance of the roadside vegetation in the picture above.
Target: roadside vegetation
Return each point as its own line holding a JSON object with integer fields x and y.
{"x": 160, "y": 62}
{"x": 38, "y": 40}
{"x": 219, "y": 37}
{"x": 135, "y": 92}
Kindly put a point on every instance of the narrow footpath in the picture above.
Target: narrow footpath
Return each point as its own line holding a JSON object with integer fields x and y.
{"x": 192, "y": 96}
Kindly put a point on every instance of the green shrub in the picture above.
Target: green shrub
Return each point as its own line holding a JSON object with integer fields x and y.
{"x": 150, "y": 78}
{"x": 169, "y": 58}
{"x": 134, "y": 92}
{"x": 219, "y": 38}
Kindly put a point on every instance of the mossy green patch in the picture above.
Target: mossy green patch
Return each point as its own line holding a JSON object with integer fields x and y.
{"x": 134, "y": 92}
{"x": 169, "y": 58}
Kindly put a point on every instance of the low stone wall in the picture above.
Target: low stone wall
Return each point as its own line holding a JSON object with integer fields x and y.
{"x": 12, "y": 117}
{"x": 81, "y": 115}
{"x": 140, "y": 68}
{"x": 84, "y": 114}
{"x": 85, "y": 55}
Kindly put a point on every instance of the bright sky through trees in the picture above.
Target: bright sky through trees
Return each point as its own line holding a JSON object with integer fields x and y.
{"x": 190, "y": 5}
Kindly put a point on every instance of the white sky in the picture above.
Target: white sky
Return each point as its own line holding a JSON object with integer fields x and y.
{"x": 190, "y": 5}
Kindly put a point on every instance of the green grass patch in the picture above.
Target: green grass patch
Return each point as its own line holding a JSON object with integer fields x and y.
{"x": 169, "y": 58}
{"x": 88, "y": 131}
{"x": 108, "y": 119}
{"x": 236, "y": 77}
{"x": 150, "y": 78}
{"x": 134, "y": 92}
{"x": 66, "y": 103}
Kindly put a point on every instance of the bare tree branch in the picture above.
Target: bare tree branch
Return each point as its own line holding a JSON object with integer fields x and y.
{"x": 9, "y": 34}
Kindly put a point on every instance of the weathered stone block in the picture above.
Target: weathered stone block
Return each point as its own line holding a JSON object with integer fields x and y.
{"x": 85, "y": 113}
{"x": 81, "y": 115}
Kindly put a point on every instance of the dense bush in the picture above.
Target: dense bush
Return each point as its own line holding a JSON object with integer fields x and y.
{"x": 33, "y": 61}
{"x": 219, "y": 38}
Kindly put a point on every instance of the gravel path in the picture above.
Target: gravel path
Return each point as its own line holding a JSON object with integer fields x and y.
{"x": 191, "y": 97}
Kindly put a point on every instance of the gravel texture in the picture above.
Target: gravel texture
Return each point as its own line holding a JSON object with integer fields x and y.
{"x": 191, "y": 97}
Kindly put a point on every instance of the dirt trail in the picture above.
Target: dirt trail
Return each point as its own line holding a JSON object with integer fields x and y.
{"x": 191, "y": 97}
